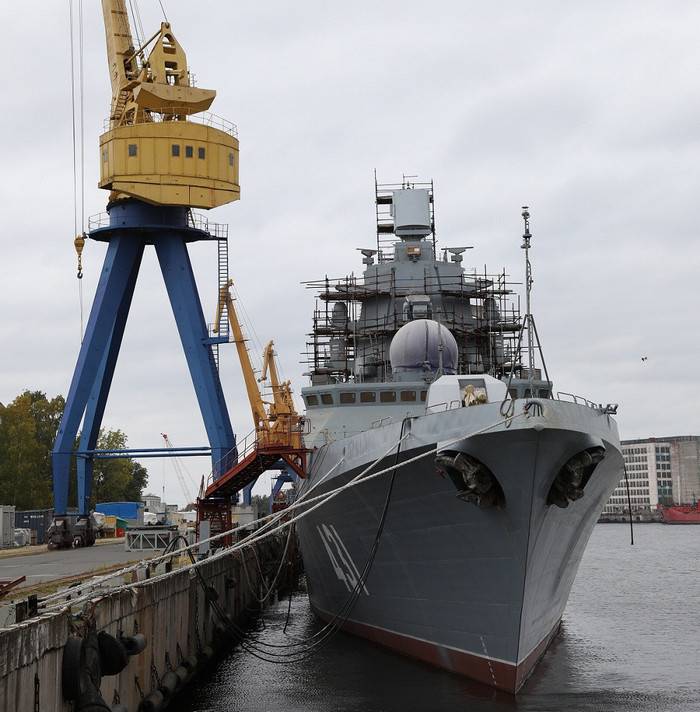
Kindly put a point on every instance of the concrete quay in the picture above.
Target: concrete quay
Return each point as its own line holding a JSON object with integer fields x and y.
{"x": 40, "y": 565}
{"x": 176, "y": 613}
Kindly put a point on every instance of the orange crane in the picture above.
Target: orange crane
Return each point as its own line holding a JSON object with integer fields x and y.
{"x": 278, "y": 424}
{"x": 278, "y": 428}
{"x": 282, "y": 414}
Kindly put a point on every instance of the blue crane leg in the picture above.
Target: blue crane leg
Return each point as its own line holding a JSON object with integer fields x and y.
{"x": 123, "y": 253}
{"x": 286, "y": 475}
{"x": 100, "y": 391}
{"x": 187, "y": 309}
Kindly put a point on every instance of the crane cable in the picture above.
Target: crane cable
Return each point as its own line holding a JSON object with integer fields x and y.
{"x": 78, "y": 118}
{"x": 136, "y": 22}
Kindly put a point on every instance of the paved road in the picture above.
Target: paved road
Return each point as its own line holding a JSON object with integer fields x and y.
{"x": 64, "y": 562}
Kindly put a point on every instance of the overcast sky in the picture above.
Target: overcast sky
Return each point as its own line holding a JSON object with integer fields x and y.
{"x": 587, "y": 112}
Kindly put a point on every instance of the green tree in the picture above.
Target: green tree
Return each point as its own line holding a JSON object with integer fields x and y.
{"x": 116, "y": 479}
{"x": 28, "y": 427}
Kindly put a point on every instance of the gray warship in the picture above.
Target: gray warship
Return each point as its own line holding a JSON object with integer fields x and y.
{"x": 463, "y": 552}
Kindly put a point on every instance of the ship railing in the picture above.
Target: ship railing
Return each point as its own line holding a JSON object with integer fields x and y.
{"x": 175, "y": 114}
{"x": 441, "y": 407}
{"x": 573, "y": 398}
{"x": 607, "y": 409}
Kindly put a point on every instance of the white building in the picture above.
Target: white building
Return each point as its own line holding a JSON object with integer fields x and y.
{"x": 660, "y": 471}
{"x": 153, "y": 503}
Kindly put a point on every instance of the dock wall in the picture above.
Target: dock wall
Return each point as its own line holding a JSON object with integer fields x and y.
{"x": 173, "y": 613}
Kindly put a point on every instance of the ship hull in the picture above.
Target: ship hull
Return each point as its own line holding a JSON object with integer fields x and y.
{"x": 479, "y": 592}
{"x": 681, "y": 515}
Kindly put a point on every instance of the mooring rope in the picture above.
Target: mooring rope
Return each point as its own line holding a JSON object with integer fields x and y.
{"x": 265, "y": 531}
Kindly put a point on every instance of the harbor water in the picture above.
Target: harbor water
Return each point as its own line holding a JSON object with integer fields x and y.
{"x": 630, "y": 640}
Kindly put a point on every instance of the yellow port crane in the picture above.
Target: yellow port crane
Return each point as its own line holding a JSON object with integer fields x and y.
{"x": 279, "y": 424}
{"x": 159, "y": 146}
{"x": 282, "y": 413}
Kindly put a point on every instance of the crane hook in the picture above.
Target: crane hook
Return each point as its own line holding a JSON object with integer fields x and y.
{"x": 79, "y": 244}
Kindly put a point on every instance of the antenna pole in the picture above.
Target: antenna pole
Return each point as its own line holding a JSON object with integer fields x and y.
{"x": 528, "y": 296}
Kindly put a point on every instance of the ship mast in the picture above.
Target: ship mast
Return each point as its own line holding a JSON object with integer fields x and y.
{"x": 528, "y": 297}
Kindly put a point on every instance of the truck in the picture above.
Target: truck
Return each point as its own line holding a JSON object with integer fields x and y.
{"x": 71, "y": 530}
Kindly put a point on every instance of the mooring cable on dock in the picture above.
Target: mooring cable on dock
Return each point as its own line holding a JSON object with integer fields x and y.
{"x": 261, "y": 534}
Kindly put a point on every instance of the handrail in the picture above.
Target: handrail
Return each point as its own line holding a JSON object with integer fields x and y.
{"x": 579, "y": 400}
{"x": 607, "y": 409}
{"x": 249, "y": 444}
{"x": 174, "y": 114}
{"x": 195, "y": 221}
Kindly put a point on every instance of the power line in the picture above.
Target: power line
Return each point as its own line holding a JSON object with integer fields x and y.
{"x": 72, "y": 106}
{"x": 78, "y": 116}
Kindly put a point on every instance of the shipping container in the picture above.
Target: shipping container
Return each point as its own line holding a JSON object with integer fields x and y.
{"x": 37, "y": 520}
{"x": 131, "y": 511}
{"x": 7, "y": 526}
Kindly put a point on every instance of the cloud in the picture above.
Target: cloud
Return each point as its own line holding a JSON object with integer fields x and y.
{"x": 588, "y": 113}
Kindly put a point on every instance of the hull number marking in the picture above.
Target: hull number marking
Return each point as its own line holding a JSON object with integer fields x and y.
{"x": 340, "y": 558}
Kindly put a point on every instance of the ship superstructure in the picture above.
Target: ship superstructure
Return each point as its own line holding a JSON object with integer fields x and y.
{"x": 464, "y": 552}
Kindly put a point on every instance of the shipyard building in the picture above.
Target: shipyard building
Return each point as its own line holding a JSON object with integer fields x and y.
{"x": 660, "y": 471}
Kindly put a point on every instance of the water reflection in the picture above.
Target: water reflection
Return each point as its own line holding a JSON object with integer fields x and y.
{"x": 629, "y": 642}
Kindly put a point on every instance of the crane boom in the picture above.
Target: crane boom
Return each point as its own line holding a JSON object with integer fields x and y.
{"x": 283, "y": 405}
{"x": 282, "y": 424}
{"x": 120, "y": 48}
{"x": 257, "y": 407}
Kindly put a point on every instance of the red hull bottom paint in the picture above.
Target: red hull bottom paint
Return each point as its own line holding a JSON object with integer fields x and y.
{"x": 494, "y": 673}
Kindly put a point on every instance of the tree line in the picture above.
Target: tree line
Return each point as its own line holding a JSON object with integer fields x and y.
{"x": 28, "y": 427}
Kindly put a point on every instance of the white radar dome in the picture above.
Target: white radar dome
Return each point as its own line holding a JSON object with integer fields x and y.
{"x": 423, "y": 345}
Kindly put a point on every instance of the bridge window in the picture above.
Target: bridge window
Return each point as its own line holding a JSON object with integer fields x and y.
{"x": 368, "y": 397}
{"x": 311, "y": 400}
{"x": 423, "y": 395}
{"x": 387, "y": 396}
{"x": 189, "y": 152}
{"x": 132, "y": 149}
{"x": 327, "y": 398}
{"x": 347, "y": 397}
{"x": 175, "y": 150}
{"x": 201, "y": 152}
{"x": 408, "y": 396}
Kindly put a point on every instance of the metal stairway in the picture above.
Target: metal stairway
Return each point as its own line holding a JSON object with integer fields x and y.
{"x": 223, "y": 325}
